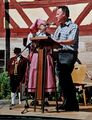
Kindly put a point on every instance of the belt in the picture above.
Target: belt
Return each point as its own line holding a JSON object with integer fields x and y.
{"x": 68, "y": 51}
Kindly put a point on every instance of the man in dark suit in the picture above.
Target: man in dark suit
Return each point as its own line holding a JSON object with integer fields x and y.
{"x": 16, "y": 70}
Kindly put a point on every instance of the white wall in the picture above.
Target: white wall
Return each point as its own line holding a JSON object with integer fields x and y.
{"x": 85, "y": 49}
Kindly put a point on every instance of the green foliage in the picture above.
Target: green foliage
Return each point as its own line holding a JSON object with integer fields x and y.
{"x": 4, "y": 85}
{"x": 79, "y": 96}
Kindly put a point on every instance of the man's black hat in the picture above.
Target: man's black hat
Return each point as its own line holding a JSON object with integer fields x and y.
{"x": 17, "y": 50}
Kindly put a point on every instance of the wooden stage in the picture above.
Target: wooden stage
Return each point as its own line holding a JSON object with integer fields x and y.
{"x": 50, "y": 113}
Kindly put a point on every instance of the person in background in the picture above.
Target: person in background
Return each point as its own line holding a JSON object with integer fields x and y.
{"x": 67, "y": 35}
{"x": 16, "y": 71}
{"x": 39, "y": 29}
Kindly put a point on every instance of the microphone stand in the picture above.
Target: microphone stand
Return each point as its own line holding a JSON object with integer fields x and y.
{"x": 26, "y": 106}
{"x": 25, "y": 49}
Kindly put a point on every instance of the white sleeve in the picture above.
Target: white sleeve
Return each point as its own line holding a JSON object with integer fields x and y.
{"x": 29, "y": 38}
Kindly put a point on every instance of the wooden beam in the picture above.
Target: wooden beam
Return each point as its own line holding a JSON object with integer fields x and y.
{"x": 24, "y": 32}
{"x": 49, "y": 13}
{"x": 14, "y": 25}
{"x": 20, "y": 10}
{"x": 84, "y": 13}
{"x": 87, "y": 31}
{"x": 45, "y": 3}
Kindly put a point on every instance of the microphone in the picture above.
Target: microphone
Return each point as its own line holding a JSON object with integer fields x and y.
{"x": 49, "y": 24}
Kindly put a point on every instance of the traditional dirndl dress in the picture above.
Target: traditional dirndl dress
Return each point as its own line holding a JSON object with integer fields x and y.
{"x": 50, "y": 79}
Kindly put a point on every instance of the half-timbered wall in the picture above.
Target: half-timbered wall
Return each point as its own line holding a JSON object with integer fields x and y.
{"x": 24, "y": 12}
